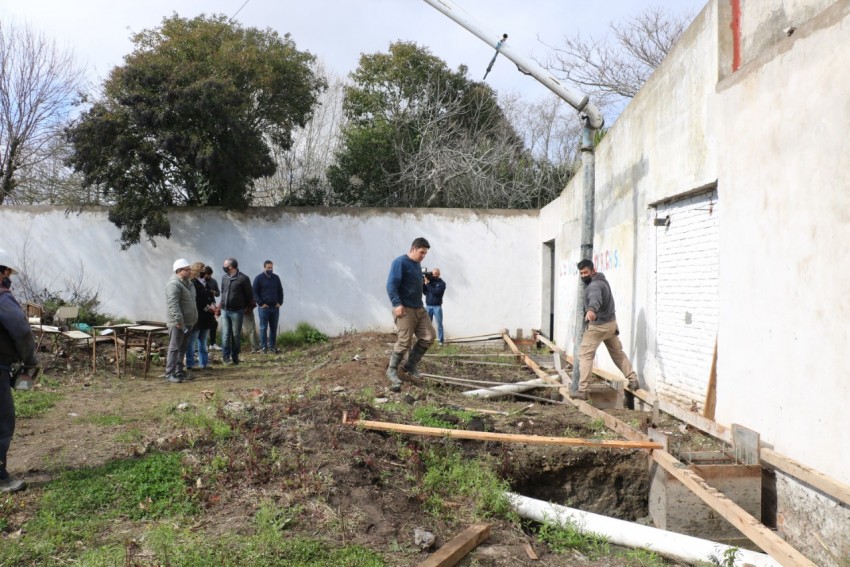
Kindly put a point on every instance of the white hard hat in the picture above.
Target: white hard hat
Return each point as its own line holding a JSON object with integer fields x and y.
{"x": 180, "y": 264}
{"x": 6, "y": 260}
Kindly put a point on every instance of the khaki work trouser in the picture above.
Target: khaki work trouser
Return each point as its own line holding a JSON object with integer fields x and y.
{"x": 590, "y": 341}
{"x": 415, "y": 321}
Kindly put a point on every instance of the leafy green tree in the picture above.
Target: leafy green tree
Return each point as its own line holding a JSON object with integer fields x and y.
{"x": 191, "y": 119}
{"x": 420, "y": 134}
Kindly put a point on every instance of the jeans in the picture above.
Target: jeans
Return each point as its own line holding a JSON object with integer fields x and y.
{"x": 198, "y": 341}
{"x": 269, "y": 316}
{"x": 435, "y": 313}
{"x": 7, "y": 419}
{"x": 231, "y": 334}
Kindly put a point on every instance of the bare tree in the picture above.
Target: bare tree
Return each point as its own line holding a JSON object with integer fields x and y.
{"x": 615, "y": 67}
{"x": 38, "y": 82}
{"x": 300, "y": 176}
{"x": 452, "y": 166}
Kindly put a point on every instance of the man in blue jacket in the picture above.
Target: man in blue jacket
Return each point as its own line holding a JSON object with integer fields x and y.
{"x": 268, "y": 295}
{"x": 404, "y": 288}
{"x": 16, "y": 344}
{"x": 434, "y": 288}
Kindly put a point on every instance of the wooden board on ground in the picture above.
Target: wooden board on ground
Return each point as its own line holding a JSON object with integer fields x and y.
{"x": 452, "y": 553}
{"x": 502, "y": 437}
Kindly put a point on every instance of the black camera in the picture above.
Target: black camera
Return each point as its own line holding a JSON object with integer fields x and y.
{"x": 427, "y": 273}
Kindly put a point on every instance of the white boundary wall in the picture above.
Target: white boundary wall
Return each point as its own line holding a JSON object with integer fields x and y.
{"x": 333, "y": 262}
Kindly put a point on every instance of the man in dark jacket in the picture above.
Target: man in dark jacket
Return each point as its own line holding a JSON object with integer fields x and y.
{"x": 236, "y": 296}
{"x": 268, "y": 295}
{"x": 404, "y": 287}
{"x": 601, "y": 328}
{"x": 16, "y": 344}
{"x": 434, "y": 287}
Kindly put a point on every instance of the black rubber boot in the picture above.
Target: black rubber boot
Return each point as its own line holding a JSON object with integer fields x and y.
{"x": 413, "y": 359}
{"x": 392, "y": 371}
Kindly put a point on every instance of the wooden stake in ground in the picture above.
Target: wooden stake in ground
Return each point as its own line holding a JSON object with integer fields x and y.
{"x": 451, "y": 553}
{"x": 711, "y": 393}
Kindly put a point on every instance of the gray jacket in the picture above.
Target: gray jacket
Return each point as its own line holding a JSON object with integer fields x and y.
{"x": 598, "y": 298}
{"x": 180, "y": 302}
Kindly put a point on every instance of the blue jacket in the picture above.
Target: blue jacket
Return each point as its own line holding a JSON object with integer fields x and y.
{"x": 268, "y": 290}
{"x": 434, "y": 291}
{"x": 404, "y": 282}
{"x": 16, "y": 341}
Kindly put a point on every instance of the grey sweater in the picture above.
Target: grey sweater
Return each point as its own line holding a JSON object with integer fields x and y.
{"x": 180, "y": 300}
{"x": 598, "y": 298}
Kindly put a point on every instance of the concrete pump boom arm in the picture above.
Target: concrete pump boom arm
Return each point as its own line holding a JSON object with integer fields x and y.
{"x": 587, "y": 110}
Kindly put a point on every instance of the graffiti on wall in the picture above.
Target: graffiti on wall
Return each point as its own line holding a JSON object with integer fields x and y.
{"x": 604, "y": 261}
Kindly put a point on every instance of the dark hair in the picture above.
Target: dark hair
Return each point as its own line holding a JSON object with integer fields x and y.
{"x": 585, "y": 264}
{"x": 267, "y": 262}
{"x": 208, "y": 270}
{"x": 420, "y": 243}
{"x": 233, "y": 263}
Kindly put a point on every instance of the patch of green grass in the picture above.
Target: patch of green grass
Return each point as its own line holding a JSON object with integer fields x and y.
{"x": 727, "y": 559}
{"x": 203, "y": 419}
{"x": 562, "y": 538}
{"x": 48, "y": 381}
{"x": 269, "y": 546}
{"x": 451, "y": 477}
{"x": 434, "y": 416}
{"x": 643, "y": 558}
{"x": 134, "y": 435}
{"x": 33, "y": 403}
{"x": 105, "y": 419}
{"x": 598, "y": 429}
{"x": 304, "y": 334}
{"x": 79, "y": 506}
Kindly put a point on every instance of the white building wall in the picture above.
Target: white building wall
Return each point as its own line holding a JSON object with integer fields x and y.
{"x": 773, "y": 137}
{"x": 333, "y": 262}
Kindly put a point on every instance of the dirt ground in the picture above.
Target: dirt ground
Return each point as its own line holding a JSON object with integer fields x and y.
{"x": 292, "y": 447}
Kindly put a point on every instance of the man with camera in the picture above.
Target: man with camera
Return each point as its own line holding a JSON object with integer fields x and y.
{"x": 16, "y": 345}
{"x": 404, "y": 287}
{"x": 433, "y": 287}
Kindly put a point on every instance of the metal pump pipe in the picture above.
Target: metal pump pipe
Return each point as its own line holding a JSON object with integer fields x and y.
{"x": 587, "y": 110}
{"x": 593, "y": 120}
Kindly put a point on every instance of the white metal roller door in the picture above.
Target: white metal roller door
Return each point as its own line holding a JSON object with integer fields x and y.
{"x": 687, "y": 266}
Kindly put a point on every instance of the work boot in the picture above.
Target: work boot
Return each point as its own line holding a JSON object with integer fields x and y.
{"x": 413, "y": 358}
{"x": 392, "y": 371}
{"x": 11, "y": 485}
{"x": 578, "y": 395}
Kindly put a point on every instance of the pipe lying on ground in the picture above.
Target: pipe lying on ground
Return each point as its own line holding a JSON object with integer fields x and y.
{"x": 506, "y": 390}
{"x": 672, "y": 545}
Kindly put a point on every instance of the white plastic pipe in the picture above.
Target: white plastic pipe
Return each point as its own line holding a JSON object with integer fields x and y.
{"x": 675, "y": 546}
{"x": 506, "y": 390}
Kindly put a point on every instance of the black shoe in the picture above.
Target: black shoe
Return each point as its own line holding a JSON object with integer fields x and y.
{"x": 174, "y": 379}
{"x": 11, "y": 485}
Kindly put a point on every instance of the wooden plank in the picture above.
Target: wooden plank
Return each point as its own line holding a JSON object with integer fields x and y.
{"x": 810, "y": 476}
{"x": 452, "y": 553}
{"x": 711, "y": 394}
{"x": 501, "y": 437}
{"x": 758, "y": 533}
{"x": 526, "y": 359}
{"x": 829, "y": 486}
{"x": 530, "y": 551}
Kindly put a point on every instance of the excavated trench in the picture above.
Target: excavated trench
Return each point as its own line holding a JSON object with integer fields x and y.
{"x": 610, "y": 482}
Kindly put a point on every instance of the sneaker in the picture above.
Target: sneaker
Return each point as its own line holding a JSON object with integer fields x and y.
{"x": 181, "y": 374}
{"x": 226, "y": 361}
{"x": 214, "y": 347}
{"x": 274, "y": 350}
{"x": 174, "y": 379}
{"x": 11, "y": 485}
{"x": 578, "y": 395}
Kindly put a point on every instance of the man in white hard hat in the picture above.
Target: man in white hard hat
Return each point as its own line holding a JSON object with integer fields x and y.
{"x": 16, "y": 344}
{"x": 182, "y": 316}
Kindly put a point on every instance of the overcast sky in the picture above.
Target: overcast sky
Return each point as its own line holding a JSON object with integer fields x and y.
{"x": 338, "y": 31}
